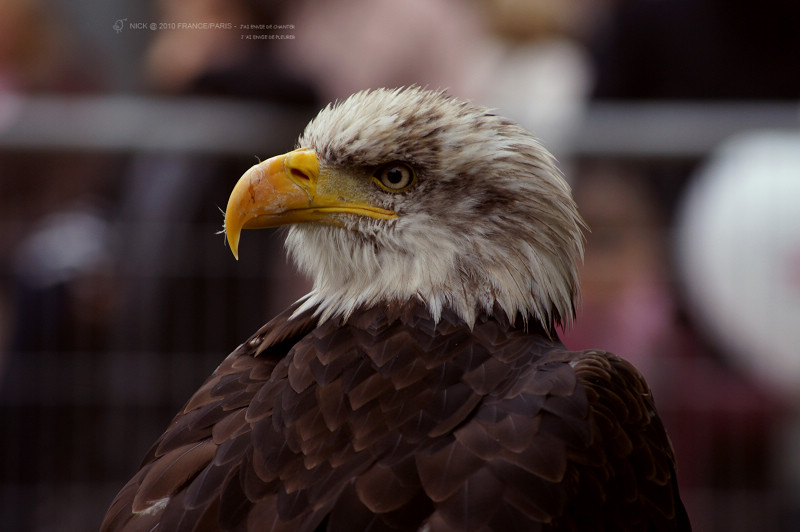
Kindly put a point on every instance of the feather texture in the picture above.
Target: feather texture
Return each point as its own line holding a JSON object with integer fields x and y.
{"x": 420, "y": 385}
{"x": 500, "y": 428}
{"x": 491, "y": 221}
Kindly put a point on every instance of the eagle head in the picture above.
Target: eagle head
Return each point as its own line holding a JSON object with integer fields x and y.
{"x": 410, "y": 194}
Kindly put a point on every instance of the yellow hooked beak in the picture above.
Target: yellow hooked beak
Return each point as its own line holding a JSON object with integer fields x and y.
{"x": 289, "y": 189}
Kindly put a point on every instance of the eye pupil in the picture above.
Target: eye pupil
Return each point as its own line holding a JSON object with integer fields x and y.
{"x": 395, "y": 176}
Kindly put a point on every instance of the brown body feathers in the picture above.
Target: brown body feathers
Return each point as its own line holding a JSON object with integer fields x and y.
{"x": 393, "y": 422}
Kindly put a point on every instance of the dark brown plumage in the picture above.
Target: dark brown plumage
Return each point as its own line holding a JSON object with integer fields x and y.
{"x": 392, "y": 422}
{"x": 421, "y": 385}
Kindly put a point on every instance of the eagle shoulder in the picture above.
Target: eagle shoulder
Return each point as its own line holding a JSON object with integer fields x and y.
{"x": 211, "y": 426}
{"x": 637, "y": 463}
{"x": 572, "y": 443}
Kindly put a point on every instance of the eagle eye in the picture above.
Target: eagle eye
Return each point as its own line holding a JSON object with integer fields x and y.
{"x": 395, "y": 177}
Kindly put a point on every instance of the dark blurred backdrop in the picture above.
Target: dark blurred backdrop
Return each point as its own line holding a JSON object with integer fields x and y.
{"x": 124, "y": 126}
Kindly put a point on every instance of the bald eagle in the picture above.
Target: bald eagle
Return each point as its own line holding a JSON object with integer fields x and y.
{"x": 421, "y": 384}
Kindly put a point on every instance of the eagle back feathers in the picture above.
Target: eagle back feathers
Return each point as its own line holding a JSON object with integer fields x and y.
{"x": 395, "y": 421}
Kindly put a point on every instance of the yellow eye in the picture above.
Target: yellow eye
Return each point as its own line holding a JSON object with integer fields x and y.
{"x": 395, "y": 177}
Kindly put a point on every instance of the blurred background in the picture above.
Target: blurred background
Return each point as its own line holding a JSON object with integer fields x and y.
{"x": 124, "y": 125}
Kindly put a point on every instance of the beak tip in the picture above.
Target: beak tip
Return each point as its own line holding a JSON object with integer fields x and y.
{"x": 232, "y": 238}
{"x": 234, "y": 244}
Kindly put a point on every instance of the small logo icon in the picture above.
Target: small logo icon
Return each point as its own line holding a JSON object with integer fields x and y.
{"x": 119, "y": 25}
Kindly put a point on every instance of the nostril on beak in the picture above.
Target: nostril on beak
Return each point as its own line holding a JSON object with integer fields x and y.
{"x": 299, "y": 175}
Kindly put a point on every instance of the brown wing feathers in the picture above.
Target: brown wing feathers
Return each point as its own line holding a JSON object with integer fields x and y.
{"x": 392, "y": 422}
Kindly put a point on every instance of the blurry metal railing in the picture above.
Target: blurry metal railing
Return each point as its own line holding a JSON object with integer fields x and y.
{"x": 654, "y": 130}
{"x": 132, "y": 124}
{"x": 665, "y": 130}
